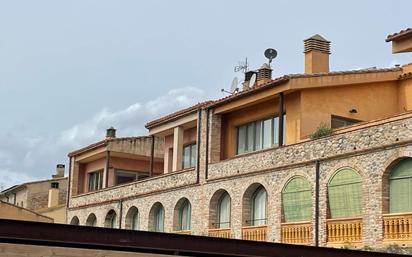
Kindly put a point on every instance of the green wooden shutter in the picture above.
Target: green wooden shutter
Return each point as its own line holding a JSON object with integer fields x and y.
{"x": 296, "y": 200}
{"x": 400, "y": 187}
{"x": 345, "y": 194}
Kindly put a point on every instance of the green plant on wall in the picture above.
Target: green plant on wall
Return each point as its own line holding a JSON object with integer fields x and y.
{"x": 322, "y": 130}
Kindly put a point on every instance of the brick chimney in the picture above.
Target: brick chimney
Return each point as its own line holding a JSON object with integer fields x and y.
{"x": 248, "y": 76}
{"x": 54, "y": 190}
{"x": 317, "y": 51}
{"x": 264, "y": 74}
{"x": 59, "y": 171}
{"x": 111, "y": 133}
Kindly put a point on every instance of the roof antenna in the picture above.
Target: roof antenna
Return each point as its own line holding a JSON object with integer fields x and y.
{"x": 243, "y": 66}
{"x": 271, "y": 54}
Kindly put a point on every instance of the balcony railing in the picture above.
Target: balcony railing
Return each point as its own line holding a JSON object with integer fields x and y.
{"x": 342, "y": 231}
{"x": 397, "y": 227}
{"x": 183, "y": 232}
{"x": 220, "y": 232}
{"x": 297, "y": 233}
{"x": 255, "y": 233}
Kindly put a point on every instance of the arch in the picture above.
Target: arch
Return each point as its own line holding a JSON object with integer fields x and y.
{"x": 132, "y": 219}
{"x": 220, "y": 210}
{"x": 400, "y": 187}
{"x": 75, "y": 221}
{"x": 254, "y": 205}
{"x": 111, "y": 219}
{"x": 182, "y": 215}
{"x": 157, "y": 218}
{"x": 297, "y": 200}
{"x": 345, "y": 194}
{"x": 91, "y": 220}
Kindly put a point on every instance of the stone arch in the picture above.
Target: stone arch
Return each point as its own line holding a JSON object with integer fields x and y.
{"x": 157, "y": 218}
{"x": 299, "y": 192}
{"x": 389, "y": 176}
{"x": 247, "y": 204}
{"x": 75, "y": 221}
{"x": 111, "y": 220}
{"x": 91, "y": 220}
{"x": 132, "y": 219}
{"x": 182, "y": 215}
{"x": 214, "y": 203}
{"x": 346, "y": 183}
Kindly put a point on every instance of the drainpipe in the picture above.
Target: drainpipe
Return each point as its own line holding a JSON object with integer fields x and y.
{"x": 120, "y": 213}
{"x": 207, "y": 144}
{"x": 281, "y": 125}
{"x": 107, "y": 168}
{"x": 199, "y": 132}
{"x": 152, "y": 156}
{"x": 317, "y": 165}
{"x": 69, "y": 182}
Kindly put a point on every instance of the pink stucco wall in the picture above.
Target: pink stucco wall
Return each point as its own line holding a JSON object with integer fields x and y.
{"x": 189, "y": 137}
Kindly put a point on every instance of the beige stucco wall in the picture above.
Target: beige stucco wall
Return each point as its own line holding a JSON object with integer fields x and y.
{"x": 9, "y": 211}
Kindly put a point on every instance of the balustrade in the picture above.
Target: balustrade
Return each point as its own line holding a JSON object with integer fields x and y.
{"x": 220, "y": 232}
{"x": 255, "y": 233}
{"x": 297, "y": 233}
{"x": 397, "y": 227}
{"x": 344, "y": 230}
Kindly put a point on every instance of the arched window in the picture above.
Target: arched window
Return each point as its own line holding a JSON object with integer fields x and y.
{"x": 132, "y": 219}
{"x": 400, "y": 187}
{"x": 160, "y": 219}
{"x": 345, "y": 194}
{"x": 74, "y": 221}
{"x": 111, "y": 219}
{"x": 223, "y": 209}
{"x": 258, "y": 207}
{"x": 91, "y": 220}
{"x": 296, "y": 200}
{"x": 185, "y": 215}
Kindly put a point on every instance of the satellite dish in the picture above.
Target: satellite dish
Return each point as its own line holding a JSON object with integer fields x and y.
{"x": 233, "y": 87}
{"x": 271, "y": 54}
{"x": 252, "y": 80}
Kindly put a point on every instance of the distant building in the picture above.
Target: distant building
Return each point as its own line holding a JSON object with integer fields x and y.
{"x": 14, "y": 212}
{"x": 46, "y": 197}
{"x": 259, "y": 165}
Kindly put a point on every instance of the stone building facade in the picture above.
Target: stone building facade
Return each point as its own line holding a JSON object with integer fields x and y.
{"x": 377, "y": 140}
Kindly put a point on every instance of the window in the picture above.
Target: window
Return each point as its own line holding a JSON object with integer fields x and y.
{"x": 95, "y": 180}
{"x": 74, "y": 221}
{"x": 400, "y": 187}
{"x": 338, "y": 122}
{"x": 189, "y": 156}
{"x": 54, "y": 185}
{"x": 258, "y": 211}
{"x": 224, "y": 211}
{"x": 111, "y": 219}
{"x": 91, "y": 220}
{"x": 296, "y": 200}
{"x": 124, "y": 176}
{"x": 159, "y": 219}
{"x": 345, "y": 194}
{"x": 132, "y": 219}
{"x": 185, "y": 215}
{"x": 259, "y": 135}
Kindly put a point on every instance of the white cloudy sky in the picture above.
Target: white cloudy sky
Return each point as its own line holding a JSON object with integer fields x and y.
{"x": 70, "y": 69}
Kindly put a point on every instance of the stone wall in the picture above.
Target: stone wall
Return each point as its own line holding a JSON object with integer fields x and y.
{"x": 369, "y": 150}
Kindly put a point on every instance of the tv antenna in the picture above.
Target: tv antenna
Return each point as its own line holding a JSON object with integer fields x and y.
{"x": 243, "y": 66}
{"x": 271, "y": 54}
{"x": 233, "y": 87}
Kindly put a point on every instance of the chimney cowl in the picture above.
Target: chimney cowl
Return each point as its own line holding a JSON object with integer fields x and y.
{"x": 264, "y": 74}
{"x": 59, "y": 171}
{"x": 317, "y": 51}
{"x": 316, "y": 43}
{"x": 111, "y": 133}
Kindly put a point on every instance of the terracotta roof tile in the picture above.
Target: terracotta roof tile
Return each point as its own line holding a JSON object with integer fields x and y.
{"x": 177, "y": 114}
{"x": 400, "y": 34}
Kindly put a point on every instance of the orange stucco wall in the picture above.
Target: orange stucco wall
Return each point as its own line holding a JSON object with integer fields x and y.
{"x": 405, "y": 95}
{"x": 371, "y": 101}
{"x": 189, "y": 137}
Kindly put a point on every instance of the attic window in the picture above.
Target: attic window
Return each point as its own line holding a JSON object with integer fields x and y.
{"x": 54, "y": 185}
{"x": 338, "y": 121}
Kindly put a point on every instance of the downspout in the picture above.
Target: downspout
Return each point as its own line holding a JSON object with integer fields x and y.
{"x": 69, "y": 182}
{"x": 317, "y": 164}
{"x": 199, "y": 132}
{"x": 280, "y": 115}
{"x": 107, "y": 168}
{"x": 120, "y": 213}
{"x": 207, "y": 144}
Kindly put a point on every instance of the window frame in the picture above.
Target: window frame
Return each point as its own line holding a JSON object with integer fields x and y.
{"x": 99, "y": 184}
{"x": 343, "y": 119}
{"x": 192, "y": 153}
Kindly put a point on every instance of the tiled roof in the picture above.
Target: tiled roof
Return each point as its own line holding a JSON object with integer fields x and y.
{"x": 405, "y": 75}
{"x": 400, "y": 34}
{"x": 177, "y": 114}
{"x": 101, "y": 143}
{"x": 285, "y": 78}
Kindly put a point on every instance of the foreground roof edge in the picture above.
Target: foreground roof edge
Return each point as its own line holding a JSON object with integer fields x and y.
{"x": 398, "y": 35}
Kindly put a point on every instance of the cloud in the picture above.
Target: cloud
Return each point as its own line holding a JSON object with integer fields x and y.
{"x": 25, "y": 158}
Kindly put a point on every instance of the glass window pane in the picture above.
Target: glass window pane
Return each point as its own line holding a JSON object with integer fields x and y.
{"x": 259, "y": 207}
{"x": 276, "y": 131}
{"x": 185, "y": 216}
{"x": 186, "y": 157}
{"x": 258, "y": 135}
{"x": 241, "y": 143}
{"x": 267, "y": 133}
{"x": 224, "y": 212}
{"x": 250, "y": 137}
{"x": 193, "y": 155}
{"x": 159, "y": 220}
{"x": 400, "y": 187}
